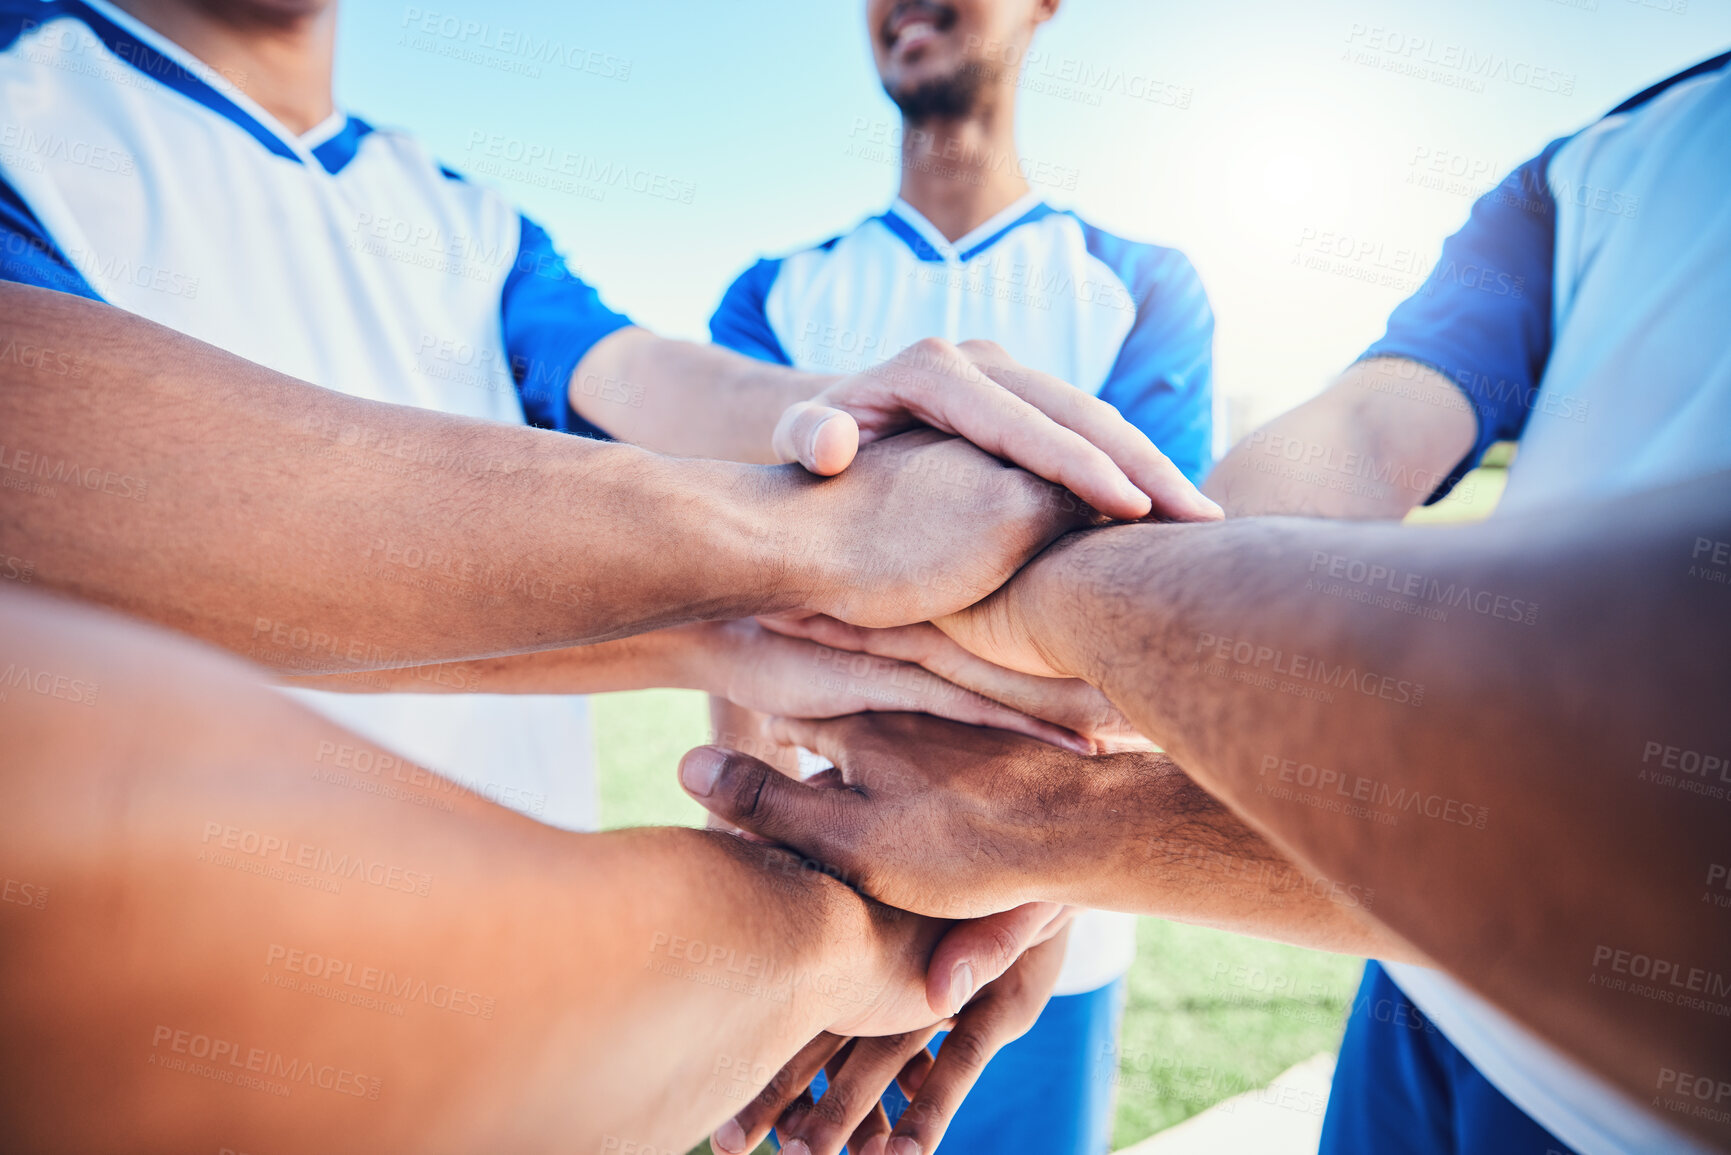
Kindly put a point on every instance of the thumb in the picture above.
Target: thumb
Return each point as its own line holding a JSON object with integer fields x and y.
{"x": 822, "y": 439}
{"x": 758, "y": 798}
{"x": 975, "y": 952}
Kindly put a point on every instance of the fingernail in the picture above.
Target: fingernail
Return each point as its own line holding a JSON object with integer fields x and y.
{"x": 961, "y": 990}
{"x": 817, "y": 435}
{"x": 1209, "y": 507}
{"x": 730, "y": 1137}
{"x": 699, "y": 769}
{"x": 904, "y": 1146}
{"x": 795, "y": 1147}
{"x": 1070, "y": 740}
{"x": 874, "y": 1146}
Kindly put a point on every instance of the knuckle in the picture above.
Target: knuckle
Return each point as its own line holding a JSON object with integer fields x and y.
{"x": 748, "y": 778}
{"x": 1004, "y": 944}
{"x": 835, "y": 1109}
{"x": 971, "y": 1051}
{"x": 981, "y": 346}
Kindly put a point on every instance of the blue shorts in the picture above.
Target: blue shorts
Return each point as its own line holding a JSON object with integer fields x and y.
{"x": 1047, "y": 1093}
{"x": 1401, "y": 1088}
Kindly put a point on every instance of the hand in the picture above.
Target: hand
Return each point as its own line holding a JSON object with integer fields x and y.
{"x": 925, "y": 815}
{"x": 1070, "y": 703}
{"x": 1020, "y": 625}
{"x": 793, "y": 677}
{"x": 859, "y": 1070}
{"x": 977, "y": 391}
{"x": 919, "y": 526}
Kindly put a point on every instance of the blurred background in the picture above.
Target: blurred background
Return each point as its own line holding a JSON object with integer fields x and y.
{"x": 1310, "y": 158}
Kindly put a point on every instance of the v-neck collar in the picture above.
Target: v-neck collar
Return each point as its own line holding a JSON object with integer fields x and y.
{"x": 929, "y": 243}
{"x": 166, "y": 62}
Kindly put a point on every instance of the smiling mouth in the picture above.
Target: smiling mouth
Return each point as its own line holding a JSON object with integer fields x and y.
{"x": 914, "y": 25}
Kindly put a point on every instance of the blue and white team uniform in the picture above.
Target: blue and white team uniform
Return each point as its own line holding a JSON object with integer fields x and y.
{"x": 132, "y": 173}
{"x": 1585, "y": 310}
{"x": 1125, "y": 321}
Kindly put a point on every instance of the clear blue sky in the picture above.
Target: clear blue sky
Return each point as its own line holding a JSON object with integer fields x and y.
{"x": 1288, "y": 147}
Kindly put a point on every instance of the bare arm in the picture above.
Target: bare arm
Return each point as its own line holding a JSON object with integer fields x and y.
{"x": 955, "y": 821}
{"x": 687, "y": 399}
{"x": 318, "y": 533}
{"x": 232, "y": 944}
{"x": 1570, "y": 694}
{"x": 677, "y": 397}
{"x": 1372, "y": 445}
{"x": 741, "y": 662}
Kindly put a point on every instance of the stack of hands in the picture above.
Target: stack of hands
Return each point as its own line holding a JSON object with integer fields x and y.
{"x": 949, "y": 822}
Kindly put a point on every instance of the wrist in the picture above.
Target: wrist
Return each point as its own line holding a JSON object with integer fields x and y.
{"x": 1116, "y": 829}
{"x": 751, "y": 557}
{"x": 693, "y": 656}
{"x": 1093, "y": 601}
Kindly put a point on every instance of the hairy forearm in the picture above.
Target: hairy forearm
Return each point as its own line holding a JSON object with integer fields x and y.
{"x": 687, "y": 399}
{"x": 1396, "y": 706}
{"x": 1371, "y": 446}
{"x": 1179, "y": 853}
{"x": 314, "y": 532}
{"x": 234, "y": 942}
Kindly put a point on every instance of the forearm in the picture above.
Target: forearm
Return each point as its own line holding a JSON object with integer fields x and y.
{"x": 686, "y": 399}
{"x": 1177, "y": 852}
{"x": 234, "y": 942}
{"x": 679, "y": 657}
{"x": 1393, "y": 707}
{"x": 1371, "y": 446}
{"x": 314, "y": 532}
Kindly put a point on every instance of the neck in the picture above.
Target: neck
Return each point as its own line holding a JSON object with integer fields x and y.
{"x": 283, "y": 62}
{"x": 961, "y": 173}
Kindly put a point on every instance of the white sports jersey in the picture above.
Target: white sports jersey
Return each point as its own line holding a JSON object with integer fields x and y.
{"x": 1585, "y": 309}
{"x": 135, "y": 174}
{"x": 1127, "y": 322}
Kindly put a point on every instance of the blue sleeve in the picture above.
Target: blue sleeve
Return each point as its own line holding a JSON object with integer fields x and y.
{"x": 1483, "y": 316}
{"x": 29, "y": 256}
{"x": 1163, "y": 379}
{"x": 551, "y": 319}
{"x": 741, "y": 321}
